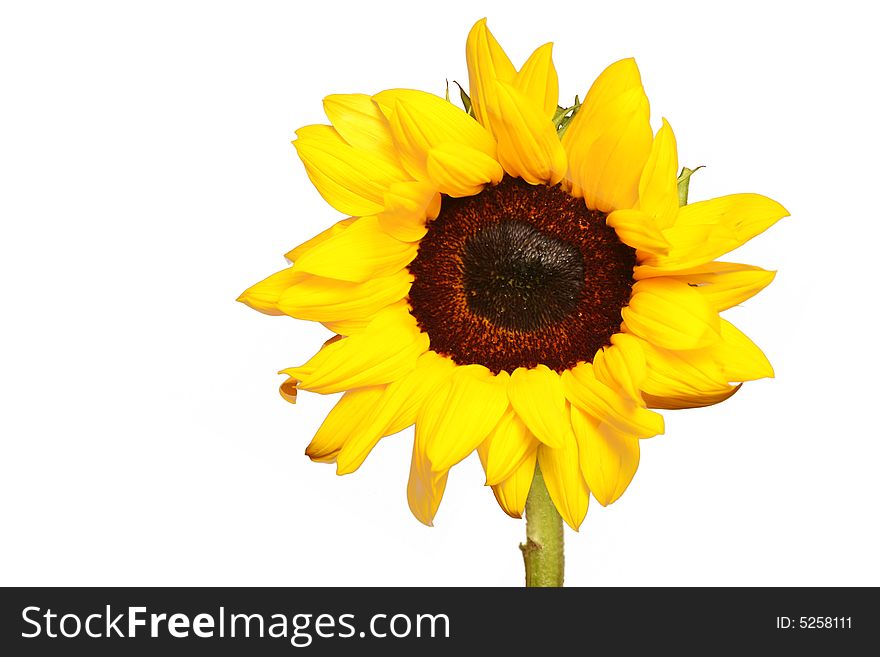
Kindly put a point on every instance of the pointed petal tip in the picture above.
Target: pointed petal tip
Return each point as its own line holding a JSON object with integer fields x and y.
{"x": 629, "y": 62}
{"x": 479, "y": 26}
{"x": 322, "y": 458}
{"x": 426, "y": 521}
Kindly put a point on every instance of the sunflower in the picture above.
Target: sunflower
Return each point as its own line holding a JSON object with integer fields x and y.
{"x": 514, "y": 278}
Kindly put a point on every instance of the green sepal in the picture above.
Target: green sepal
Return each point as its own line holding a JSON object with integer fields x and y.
{"x": 684, "y": 181}
{"x": 563, "y": 115}
{"x": 465, "y": 100}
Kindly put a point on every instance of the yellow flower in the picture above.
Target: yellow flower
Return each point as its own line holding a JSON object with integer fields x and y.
{"x": 512, "y": 290}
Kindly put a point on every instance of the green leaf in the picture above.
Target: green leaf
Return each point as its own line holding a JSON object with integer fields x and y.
{"x": 684, "y": 181}
{"x": 465, "y": 100}
{"x": 559, "y": 113}
{"x": 563, "y": 116}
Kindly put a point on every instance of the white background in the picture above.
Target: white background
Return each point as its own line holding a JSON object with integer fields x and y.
{"x": 146, "y": 179}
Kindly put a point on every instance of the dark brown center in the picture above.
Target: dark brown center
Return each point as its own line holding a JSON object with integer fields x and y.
{"x": 520, "y": 275}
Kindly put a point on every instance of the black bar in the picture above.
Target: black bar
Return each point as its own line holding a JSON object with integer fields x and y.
{"x": 521, "y": 621}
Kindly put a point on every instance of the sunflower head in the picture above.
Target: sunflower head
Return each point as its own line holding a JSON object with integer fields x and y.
{"x": 516, "y": 279}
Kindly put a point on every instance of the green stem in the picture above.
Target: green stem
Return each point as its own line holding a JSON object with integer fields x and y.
{"x": 543, "y": 549}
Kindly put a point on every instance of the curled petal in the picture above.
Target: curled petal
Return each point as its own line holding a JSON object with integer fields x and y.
{"x": 459, "y": 170}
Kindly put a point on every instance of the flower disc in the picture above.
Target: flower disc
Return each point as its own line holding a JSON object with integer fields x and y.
{"x": 520, "y": 275}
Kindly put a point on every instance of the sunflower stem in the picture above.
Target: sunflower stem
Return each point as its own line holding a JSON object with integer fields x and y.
{"x": 543, "y": 549}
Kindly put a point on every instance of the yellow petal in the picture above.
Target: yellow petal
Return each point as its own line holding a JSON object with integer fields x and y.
{"x": 459, "y": 170}
{"x": 360, "y": 252}
{"x": 565, "y": 483}
{"x": 528, "y": 146}
{"x": 658, "y": 185}
{"x": 357, "y": 119}
{"x": 408, "y": 205}
{"x": 622, "y": 364}
{"x": 723, "y": 284}
{"x": 621, "y": 411}
{"x": 420, "y": 121}
{"x": 395, "y": 410}
{"x": 694, "y": 400}
{"x": 264, "y": 295}
{"x": 344, "y": 418}
{"x": 513, "y": 492}
{"x": 453, "y": 422}
{"x": 355, "y": 325}
{"x": 384, "y": 352}
{"x": 487, "y": 63}
{"x": 739, "y": 358}
{"x": 608, "y": 458}
{"x": 671, "y": 314}
{"x": 347, "y": 326}
{"x": 425, "y": 488}
{"x": 683, "y": 379}
{"x": 688, "y": 371}
{"x": 351, "y": 180}
{"x": 708, "y": 229}
{"x": 638, "y": 229}
{"x": 609, "y": 140}
{"x": 537, "y": 80}
{"x": 506, "y": 447}
{"x": 294, "y": 254}
{"x": 537, "y": 397}
{"x": 727, "y": 289}
{"x": 325, "y": 299}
